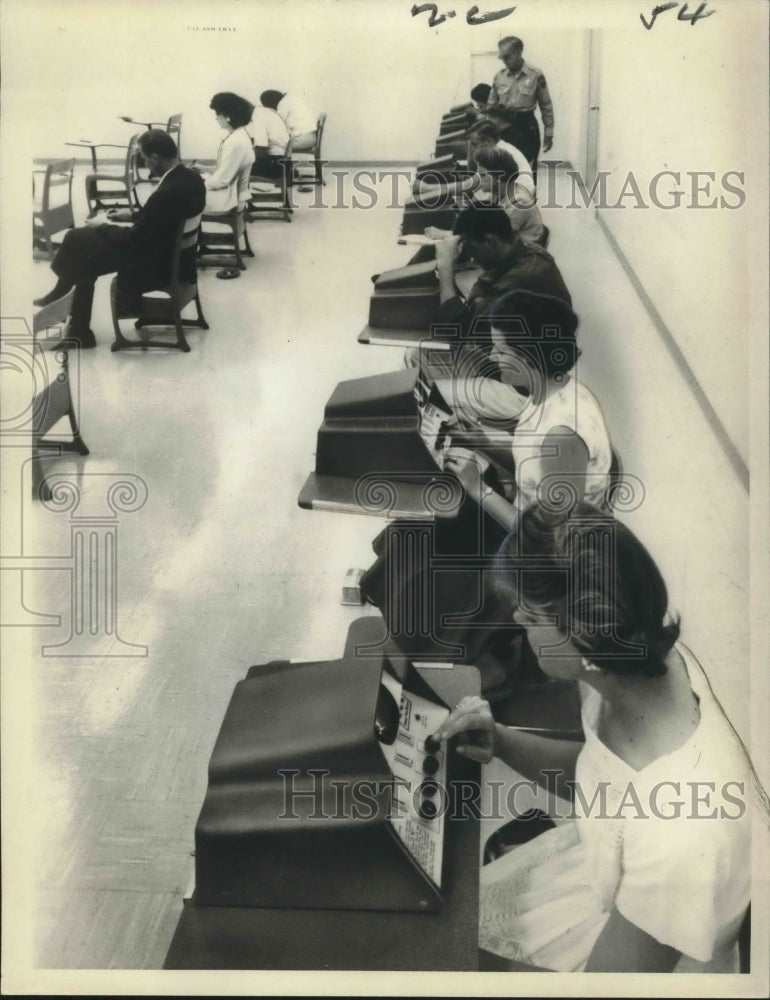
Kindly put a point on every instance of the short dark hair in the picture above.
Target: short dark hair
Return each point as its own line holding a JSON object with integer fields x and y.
{"x": 237, "y": 109}
{"x": 271, "y": 98}
{"x": 602, "y": 585}
{"x": 499, "y": 162}
{"x": 481, "y": 93}
{"x": 541, "y": 327}
{"x": 484, "y": 128}
{"x": 512, "y": 41}
{"x": 156, "y": 141}
{"x": 477, "y": 221}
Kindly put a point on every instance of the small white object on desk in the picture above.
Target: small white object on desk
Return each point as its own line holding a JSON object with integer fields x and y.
{"x": 101, "y": 217}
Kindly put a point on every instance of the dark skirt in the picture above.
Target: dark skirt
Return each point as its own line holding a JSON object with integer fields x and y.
{"x": 435, "y": 586}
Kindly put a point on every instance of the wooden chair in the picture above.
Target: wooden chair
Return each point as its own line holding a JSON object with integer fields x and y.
{"x": 174, "y": 129}
{"x": 173, "y": 126}
{"x": 52, "y": 214}
{"x": 275, "y": 203}
{"x": 54, "y": 401}
{"x": 164, "y": 309}
{"x": 121, "y": 192}
{"x": 616, "y": 480}
{"x": 315, "y": 161}
{"x": 214, "y": 243}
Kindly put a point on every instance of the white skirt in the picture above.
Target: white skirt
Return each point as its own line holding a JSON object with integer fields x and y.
{"x": 537, "y": 905}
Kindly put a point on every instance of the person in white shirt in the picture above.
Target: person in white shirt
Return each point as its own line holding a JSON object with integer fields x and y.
{"x": 228, "y": 184}
{"x": 658, "y": 886}
{"x": 271, "y": 142}
{"x": 299, "y": 120}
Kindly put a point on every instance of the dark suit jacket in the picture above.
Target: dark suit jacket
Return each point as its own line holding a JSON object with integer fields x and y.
{"x": 148, "y": 245}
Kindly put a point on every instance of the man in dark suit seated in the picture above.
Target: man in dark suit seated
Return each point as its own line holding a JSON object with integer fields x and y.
{"x": 141, "y": 254}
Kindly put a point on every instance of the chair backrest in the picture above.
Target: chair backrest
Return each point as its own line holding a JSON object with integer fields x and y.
{"x": 319, "y": 133}
{"x": 186, "y": 243}
{"x": 132, "y": 164}
{"x": 55, "y": 208}
{"x": 54, "y": 314}
{"x": 57, "y": 175}
{"x": 615, "y": 480}
{"x": 174, "y": 129}
{"x": 244, "y": 174}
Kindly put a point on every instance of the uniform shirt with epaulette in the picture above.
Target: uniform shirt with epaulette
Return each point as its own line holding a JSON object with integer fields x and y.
{"x": 523, "y": 91}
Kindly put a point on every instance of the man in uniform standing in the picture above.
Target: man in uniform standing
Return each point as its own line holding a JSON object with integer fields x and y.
{"x": 520, "y": 88}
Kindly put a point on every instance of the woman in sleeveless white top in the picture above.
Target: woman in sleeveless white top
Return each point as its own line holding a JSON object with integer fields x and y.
{"x": 648, "y": 867}
{"x": 569, "y": 408}
{"x": 560, "y": 445}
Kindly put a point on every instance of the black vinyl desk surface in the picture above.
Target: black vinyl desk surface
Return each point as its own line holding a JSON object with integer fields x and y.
{"x": 214, "y": 937}
{"x": 339, "y": 494}
{"x": 411, "y": 337}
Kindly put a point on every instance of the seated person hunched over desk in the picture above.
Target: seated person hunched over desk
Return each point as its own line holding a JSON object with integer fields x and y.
{"x": 271, "y": 141}
{"x": 509, "y": 263}
{"x": 496, "y": 182}
{"x": 296, "y": 116}
{"x": 141, "y": 254}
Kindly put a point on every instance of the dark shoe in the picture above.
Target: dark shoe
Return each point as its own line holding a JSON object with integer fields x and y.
{"x": 83, "y": 340}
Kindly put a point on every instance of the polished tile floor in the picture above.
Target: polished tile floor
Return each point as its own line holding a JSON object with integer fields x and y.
{"x": 219, "y": 568}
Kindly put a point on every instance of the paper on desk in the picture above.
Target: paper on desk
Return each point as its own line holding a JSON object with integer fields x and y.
{"x": 417, "y": 240}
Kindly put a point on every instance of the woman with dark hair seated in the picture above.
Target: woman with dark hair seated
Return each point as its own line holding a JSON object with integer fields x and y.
{"x": 559, "y": 443}
{"x": 648, "y": 868}
{"x": 521, "y": 427}
{"x": 228, "y": 183}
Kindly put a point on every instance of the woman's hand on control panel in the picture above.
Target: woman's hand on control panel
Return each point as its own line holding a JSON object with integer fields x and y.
{"x": 472, "y": 723}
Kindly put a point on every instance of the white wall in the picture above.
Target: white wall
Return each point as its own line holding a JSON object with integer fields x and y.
{"x": 679, "y": 98}
{"x": 383, "y": 76}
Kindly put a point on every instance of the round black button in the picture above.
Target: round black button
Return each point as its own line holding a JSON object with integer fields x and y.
{"x": 432, "y": 744}
{"x": 427, "y": 809}
{"x": 429, "y": 789}
{"x": 430, "y": 765}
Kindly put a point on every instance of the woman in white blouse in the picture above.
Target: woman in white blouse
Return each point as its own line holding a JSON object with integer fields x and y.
{"x": 648, "y": 868}
{"x": 560, "y": 446}
{"x": 228, "y": 183}
{"x": 547, "y": 438}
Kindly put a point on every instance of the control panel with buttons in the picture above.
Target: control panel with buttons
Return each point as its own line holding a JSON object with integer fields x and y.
{"x": 418, "y": 763}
